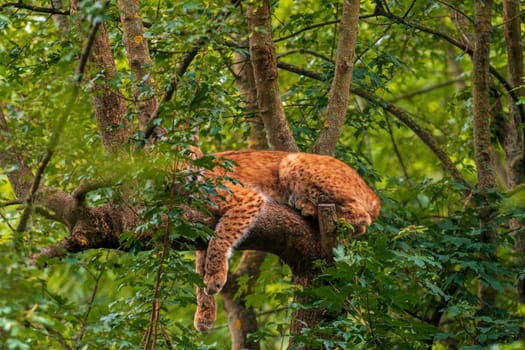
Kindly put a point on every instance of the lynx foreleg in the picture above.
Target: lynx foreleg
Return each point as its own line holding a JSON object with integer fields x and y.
{"x": 244, "y": 208}
{"x": 206, "y": 312}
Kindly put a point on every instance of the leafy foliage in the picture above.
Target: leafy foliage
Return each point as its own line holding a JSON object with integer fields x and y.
{"x": 409, "y": 283}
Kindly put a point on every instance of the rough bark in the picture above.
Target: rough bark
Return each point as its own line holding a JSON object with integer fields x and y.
{"x": 340, "y": 89}
{"x": 310, "y": 317}
{"x": 280, "y": 230}
{"x": 262, "y": 53}
{"x": 245, "y": 83}
{"x": 241, "y": 319}
{"x": 513, "y": 142}
{"x": 481, "y": 128}
{"x": 139, "y": 60}
{"x": 108, "y": 102}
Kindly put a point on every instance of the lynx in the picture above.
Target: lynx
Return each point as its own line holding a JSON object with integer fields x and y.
{"x": 299, "y": 180}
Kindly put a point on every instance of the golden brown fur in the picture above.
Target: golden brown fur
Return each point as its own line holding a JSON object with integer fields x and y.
{"x": 300, "y": 180}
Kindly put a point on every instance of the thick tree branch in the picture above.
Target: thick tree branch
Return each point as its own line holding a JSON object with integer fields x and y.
{"x": 340, "y": 89}
{"x": 245, "y": 83}
{"x": 139, "y": 60}
{"x": 242, "y": 321}
{"x": 514, "y": 143}
{"x": 514, "y": 139}
{"x": 280, "y": 230}
{"x": 109, "y": 104}
{"x": 262, "y": 53}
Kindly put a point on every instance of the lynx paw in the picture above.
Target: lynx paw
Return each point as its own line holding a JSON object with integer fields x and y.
{"x": 206, "y": 312}
{"x": 306, "y": 207}
{"x": 204, "y": 319}
{"x": 214, "y": 282}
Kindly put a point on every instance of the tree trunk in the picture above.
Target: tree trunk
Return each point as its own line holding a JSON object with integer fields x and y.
{"x": 513, "y": 144}
{"x": 482, "y": 143}
{"x": 262, "y": 52}
{"x": 245, "y": 82}
{"x": 108, "y": 102}
{"x": 139, "y": 60}
{"x": 241, "y": 319}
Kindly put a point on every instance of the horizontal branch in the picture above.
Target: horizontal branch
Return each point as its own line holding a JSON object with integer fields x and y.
{"x": 12, "y": 202}
{"x": 279, "y": 230}
{"x": 21, "y": 5}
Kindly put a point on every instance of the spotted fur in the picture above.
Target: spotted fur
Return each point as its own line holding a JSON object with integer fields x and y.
{"x": 300, "y": 180}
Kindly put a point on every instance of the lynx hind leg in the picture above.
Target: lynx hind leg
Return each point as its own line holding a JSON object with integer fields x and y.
{"x": 244, "y": 209}
{"x": 206, "y": 312}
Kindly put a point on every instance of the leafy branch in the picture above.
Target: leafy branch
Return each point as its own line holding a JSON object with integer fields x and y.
{"x": 399, "y": 113}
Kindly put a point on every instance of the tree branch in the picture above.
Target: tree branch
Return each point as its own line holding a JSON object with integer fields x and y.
{"x": 262, "y": 54}
{"x": 21, "y": 5}
{"x": 280, "y": 230}
{"x": 138, "y": 60}
{"x": 340, "y": 89}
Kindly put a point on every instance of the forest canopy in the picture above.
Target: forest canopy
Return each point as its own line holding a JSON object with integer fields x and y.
{"x": 108, "y": 109}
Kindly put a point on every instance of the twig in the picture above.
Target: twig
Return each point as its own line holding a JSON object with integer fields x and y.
{"x": 396, "y": 149}
{"x": 181, "y": 68}
{"x": 59, "y": 337}
{"x": 13, "y": 229}
{"x": 97, "y": 279}
{"x": 154, "y": 318}
{"x": 302, "y": 51}
{"x": 425, "y": 90}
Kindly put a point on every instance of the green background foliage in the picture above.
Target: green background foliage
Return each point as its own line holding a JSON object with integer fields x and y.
{"x": 421, "y": 257}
